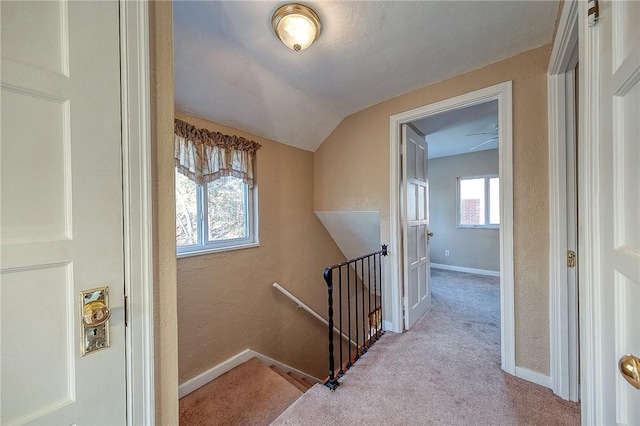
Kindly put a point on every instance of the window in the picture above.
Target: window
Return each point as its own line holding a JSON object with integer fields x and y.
{"x": 479, "y": 202}
{"x": 215, "y": 196}
{"x": 213, "y": 216}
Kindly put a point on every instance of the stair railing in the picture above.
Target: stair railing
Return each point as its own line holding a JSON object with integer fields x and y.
{"x": 304, "y": 306}
{"x": 362, "y": 275}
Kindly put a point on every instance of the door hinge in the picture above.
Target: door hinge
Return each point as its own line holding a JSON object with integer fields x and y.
{"x": 126, "y": 311}
{"x": 593, "y": 12}
{"x": 571, "y": 259}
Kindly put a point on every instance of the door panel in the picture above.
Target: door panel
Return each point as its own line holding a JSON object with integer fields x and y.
{"x": 415, "y": 225}
{"x": 45, "y": 147}
{"x": 422, "y": 243}
{"x": 619, "y": 156}
{"x": 61, "y": 227}
{"x": 413, "y": 242}
{"x": 23, "y": 363}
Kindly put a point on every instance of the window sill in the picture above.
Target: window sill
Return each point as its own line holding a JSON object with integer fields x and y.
{"x": 216, "y": 250}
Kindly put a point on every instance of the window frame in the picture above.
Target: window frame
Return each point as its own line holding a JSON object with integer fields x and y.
{"x": 204, "y": 246}
{"x": 487, "y": 194}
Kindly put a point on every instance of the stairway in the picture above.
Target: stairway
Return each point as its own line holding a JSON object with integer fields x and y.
{"x": 250, "y": 394}
{"x": 299, "y": 382}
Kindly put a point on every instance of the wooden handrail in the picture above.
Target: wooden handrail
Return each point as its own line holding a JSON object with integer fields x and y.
{"x": 313, "y": 313}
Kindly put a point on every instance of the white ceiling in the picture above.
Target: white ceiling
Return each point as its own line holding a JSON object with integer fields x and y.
{"x": 231, "y": 68}
{"x": 456, "y": 132}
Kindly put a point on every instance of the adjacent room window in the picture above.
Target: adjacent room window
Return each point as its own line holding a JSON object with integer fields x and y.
{"x": 216, "y": 206}
{"x": 479, "y": 202}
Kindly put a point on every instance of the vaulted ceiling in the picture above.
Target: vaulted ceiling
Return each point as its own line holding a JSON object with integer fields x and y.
{"x": 230, "y": 67}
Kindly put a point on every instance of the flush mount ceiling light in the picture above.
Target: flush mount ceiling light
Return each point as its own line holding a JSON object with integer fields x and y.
{"x": 296, "y": 25}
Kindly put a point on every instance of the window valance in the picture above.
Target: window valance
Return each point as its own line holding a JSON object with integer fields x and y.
{"x": 205, "y": 156}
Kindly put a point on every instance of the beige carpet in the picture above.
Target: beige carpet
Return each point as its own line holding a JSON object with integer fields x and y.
{"x": 250, "y": 394}
{"x": 444, "y": 371}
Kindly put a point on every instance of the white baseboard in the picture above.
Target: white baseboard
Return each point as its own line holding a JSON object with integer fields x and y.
{"x": 467, "y": 270}
{"x": 533, "y": 377}
{"x": 211, "y": 374}
{"x": 202, "y": 379}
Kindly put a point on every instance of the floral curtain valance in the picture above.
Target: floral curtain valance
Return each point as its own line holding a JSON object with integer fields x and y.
{"x": 205, "y": 156}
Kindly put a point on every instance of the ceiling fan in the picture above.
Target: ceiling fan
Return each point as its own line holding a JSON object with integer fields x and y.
{"x": 494, "y": 136}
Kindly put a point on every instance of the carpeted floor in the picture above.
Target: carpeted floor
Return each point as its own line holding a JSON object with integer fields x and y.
{"x": 444, "y": 371}
{"x": 250, "y": 394}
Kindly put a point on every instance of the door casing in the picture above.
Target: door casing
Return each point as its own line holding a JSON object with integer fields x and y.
{"x": 137, "y": 208}
{"x": 393, "y": 305}
{"x": 563, "y": 319}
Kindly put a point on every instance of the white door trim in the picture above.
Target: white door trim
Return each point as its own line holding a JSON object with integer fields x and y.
{"x": 136, "y": 175}
{"x": 393, "y": 305}
{"x": 560, "y": 84}
{"x": 589, "y": 244}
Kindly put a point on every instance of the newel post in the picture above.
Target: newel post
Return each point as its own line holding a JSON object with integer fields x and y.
{"x": 332, "y": 382}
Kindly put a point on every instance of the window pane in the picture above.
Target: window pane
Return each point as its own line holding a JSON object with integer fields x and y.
{"x": 227, "y": 208}
{"x": 472, "y": 203}
{"x": 186, "y": 211}
{"x": 494, "y": 201}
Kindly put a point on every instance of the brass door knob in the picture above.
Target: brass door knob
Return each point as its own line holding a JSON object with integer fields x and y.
{"x": 630, "y": 369}
{"x": 96, "y": 313}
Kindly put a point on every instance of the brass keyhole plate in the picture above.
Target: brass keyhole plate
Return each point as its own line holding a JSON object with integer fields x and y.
{"x": 94, "y": 307}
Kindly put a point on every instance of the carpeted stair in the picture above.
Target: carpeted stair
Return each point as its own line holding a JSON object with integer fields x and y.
{"x": 250, "y": 394}
{"x": 299, "y": 382}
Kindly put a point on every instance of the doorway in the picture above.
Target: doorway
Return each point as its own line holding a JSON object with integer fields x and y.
{"x": 502, "y": 94}
{"x": 464, "y": 183}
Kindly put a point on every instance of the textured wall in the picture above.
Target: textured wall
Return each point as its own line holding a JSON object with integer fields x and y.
{"x": 469, "y": 248}
{"x": 351, "y": 172}
{"x": 226, "y": 302}
{"x": 164, "y": 238}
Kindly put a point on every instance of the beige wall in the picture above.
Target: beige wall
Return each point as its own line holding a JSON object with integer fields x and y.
{"x": 351, "y": 172}
{"x": 226, "y": 302}
{"x": 469, "y": 248}
{"x": 164, "y": 238}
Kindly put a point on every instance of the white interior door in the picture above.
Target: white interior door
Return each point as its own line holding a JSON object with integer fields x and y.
{"x": 415, "y": 221}
{"x": 61, "y": 224}
{"x": 615, "y": 62}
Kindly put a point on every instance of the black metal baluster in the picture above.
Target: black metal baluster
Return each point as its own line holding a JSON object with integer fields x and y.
{"x": 332, "y": 382}
{"x": 364, "y": 327}
{"x": 341, "y": 371}
{"x": 384, "y": 253}
{"x": 349, "y": 312}
{"x": 375, "y": 293}
{"x": 369, "y": 316}
{"x": 355, "y": 279}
